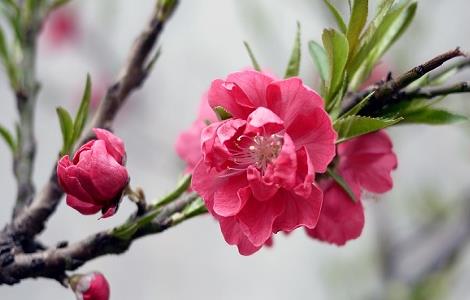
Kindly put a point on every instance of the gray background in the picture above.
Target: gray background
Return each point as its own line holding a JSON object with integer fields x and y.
{"x": 203, "y": 42}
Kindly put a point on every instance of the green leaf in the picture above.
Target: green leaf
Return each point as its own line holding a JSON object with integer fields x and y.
{"x": 320, "y": 58}
{"x": 432, "y": 116}
{"x": 357, "y": 22}
{"x": 8, "y": 137}
{"x": 82, "y": 113}
{"x": 66, "y": 126}
{"x": 353, "y": 126}
{"x": 339, "y": 19}
{"x": 395, "y": 22}
{"x": 337, "y": 49}
{"x": 254, "y": 62}
{"x": 356, "y": 108}
{"x": 342, "y": 183}
{"x": 222, "y": 113}
{"x": 293, "y": 67}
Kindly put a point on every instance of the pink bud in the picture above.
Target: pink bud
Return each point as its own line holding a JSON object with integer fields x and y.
{"x": 96, "y": 176}
{"x": 91, "y": 286}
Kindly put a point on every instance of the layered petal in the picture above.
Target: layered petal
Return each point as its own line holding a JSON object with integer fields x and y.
{"x": 233, "y": 235}
{"x": 298, "y": 211}
{"x": 85, "y": 208}
{"x": 341, "y": 219}
{"x": 114, "y": 145}
{"x": 369, "y": 159}
{"x": 257, "y": 217}
{"x": 253, "y": 84}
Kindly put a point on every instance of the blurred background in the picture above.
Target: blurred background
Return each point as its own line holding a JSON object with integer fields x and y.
{"x": 414, "y": 245}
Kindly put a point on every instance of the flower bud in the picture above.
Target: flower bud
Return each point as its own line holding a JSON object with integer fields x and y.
{"x": 91, "y": 286}
{"x": 96, "y": 176}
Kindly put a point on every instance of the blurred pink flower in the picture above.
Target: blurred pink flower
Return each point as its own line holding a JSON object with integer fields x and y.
{"x": 188, "y": 143}
{"x": 61, "y": 26}
{"x": 258, "y": 167}
{"x": 365, "y": 163}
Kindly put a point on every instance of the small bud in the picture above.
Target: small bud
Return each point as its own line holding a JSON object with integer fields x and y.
{"x": 91, "y": 286}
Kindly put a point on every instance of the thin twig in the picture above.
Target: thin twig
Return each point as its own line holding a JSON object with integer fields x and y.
{"x": 461, "y": 87}
{"x": 385, "y": 92}
{"x": 31, "y": 221}
{"x": 26, "y": 92}
{"x": 54, "y": 262}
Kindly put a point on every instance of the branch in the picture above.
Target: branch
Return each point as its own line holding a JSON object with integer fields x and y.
{"x": 31, "y": 221}
{"x": 461, "y": 87}
{"x": 26, "y": 90}
{"x": 386, "y": 91}
{"x": 53, "y": 263}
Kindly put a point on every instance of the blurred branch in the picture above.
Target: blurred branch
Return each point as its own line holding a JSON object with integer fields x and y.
{"x": 388, "y": 90}
{"x": 461, "y": 87}
{"x": 430, "y": 249}
{"x": 54, "y": 262}
{"x": 32, "y": 220}
{"x": 26, "y": 90}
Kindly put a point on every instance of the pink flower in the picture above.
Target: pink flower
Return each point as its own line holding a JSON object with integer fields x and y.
{"x": 188, "y": 143}
{"x": 365, "y": 163}
{"x": 61, "y": 26}
{"x": 96, "y": 176}
{"x": 258, "y": 167}
{"x": 91, "y": 286}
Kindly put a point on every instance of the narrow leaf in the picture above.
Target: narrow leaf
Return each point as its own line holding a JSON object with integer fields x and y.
{"x": 320, "y": 58}
{"x": 8, "y": 137}
{"x": 354, "y": 126}
{"x": 356, "y": 108}
{"x": 254, "y": 62}
{"x": 357, "y": 22}
{"x": 66, "y": 126}
{"x": 342, "y": 183}
{"x": 432, "y": 116}
{"x": 392, "y": 27}
{"x": 293, "y": 67}
{"x": 221, "y": 113}
{"x": 339, "y": 19}
{"x": 82, "y": 113}
{"x": 337, "y": 49}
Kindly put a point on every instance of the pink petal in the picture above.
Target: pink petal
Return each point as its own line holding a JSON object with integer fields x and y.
{"x": 316, "y": 133}
{"x": 285, "y": 164}
{"x": 109, "y": 211}
{"x": 205, "y": 111}
{"x": 84, "y": 148}
{"x": 263, "y": 121}
{"x": 305, "y": 174}
{"x": 230, "y": 197}
{"x": 340, "y": 220}
{"x": 257, "y": 217}
{"x": 188, "y": 144}
{"x": 114, "y": 145}
{"x": 298, "y": 211}
{"x": 85, "y": 208}
{"x": 290, "y": 97}
{"x": 226, "y": 95}
{"x": 370, "y": 160}
{"x": 233, "y": 235}
{"x": 263, "y": 189}
{"x": 101, "y": 173}
{"x": 253, "y": 84}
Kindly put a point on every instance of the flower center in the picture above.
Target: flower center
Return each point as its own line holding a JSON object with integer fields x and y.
{"x": 257, "y": 150}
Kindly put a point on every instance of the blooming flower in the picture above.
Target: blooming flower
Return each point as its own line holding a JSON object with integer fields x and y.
{"x": 96, "y": 176}
{"x": 365, "y": 163}
{"x": 258, "y": 167}
{"x": 188, "y": 143}
{"x": 91, "y": 286}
